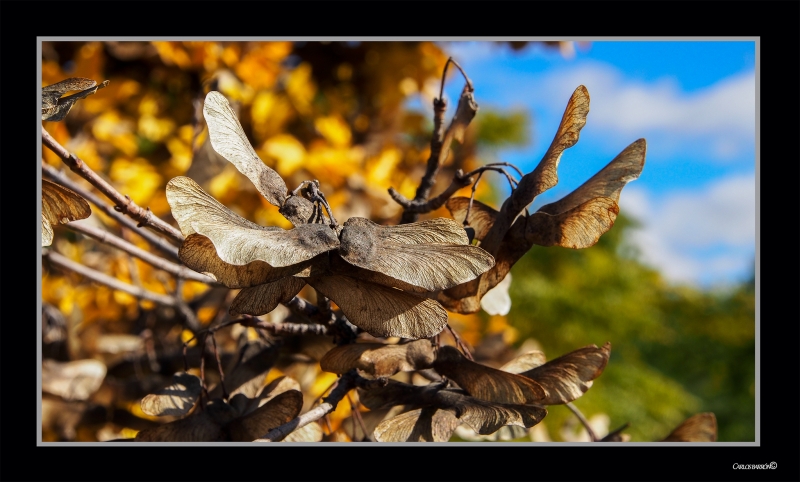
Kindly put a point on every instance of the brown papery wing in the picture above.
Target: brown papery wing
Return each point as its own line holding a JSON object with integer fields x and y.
{"x": 382, "y": 311}
{"x": 568, "y": 377}
{"x": 60, "y": 206}
{"x": 229, "y": 140}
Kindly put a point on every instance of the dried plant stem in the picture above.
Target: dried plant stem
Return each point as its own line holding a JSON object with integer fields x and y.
{"x": 583, "y": 420}
{"x": 346, "y": 382}
{"x": 159, "y": 243}
{"x": 164, "y": 300}
{"x": 133, "y": 250}
{"x": 461, "y": 344}
{"x": 123, "y": 203}
{"x": 440, "y": 147}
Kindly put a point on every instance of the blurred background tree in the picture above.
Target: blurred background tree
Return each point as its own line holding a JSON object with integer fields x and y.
{"x": 341, "y": 112}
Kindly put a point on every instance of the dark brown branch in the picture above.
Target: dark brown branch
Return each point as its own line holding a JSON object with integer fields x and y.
{"x": 133, "y": 250}
{"x": 159, "y": 243}
{"x": 440, "y": 148}
{"x": 123, "y": 203}
{"x": 426, "y": 206}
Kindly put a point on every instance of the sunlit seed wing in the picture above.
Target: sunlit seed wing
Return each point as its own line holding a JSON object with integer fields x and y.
{"x": 377, "y": 359}
{"x": 608, "y": 182}
{"x": 382, "y": 311}
{"x": 229, "y": 140}
{"x": 239, "y": 241}
{"x": 566, "y": 378}
{"x": 261, "y": 299}
{"x": 198, "y": 253}
{"x": 484, "y": 382}
{"x": 525, "y": 362}
{"x": 545, "y": 175}
{"x": 276, "y": 412}
{"x": 60, "y": 206}
{"x": 577, "y": 228}
{"x": 176, "y": 399}
{"x": 419, "y": 256}
{"x": 481, "y": 216}
{"x": 421, "y": 425}
{"x": 697, "y": 428}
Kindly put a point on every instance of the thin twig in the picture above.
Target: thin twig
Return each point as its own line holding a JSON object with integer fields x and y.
{"x": 123, "y": 203}
{"x": 461, "y": 344}
{"x": 219, "y": 366}
{"x": 133, "y": 250}
{"x": 102, "y": 278}
{"x": 160, "y": 243}
{"x": 357, "y": 417}
{"x": 111, "y": 282}
{"x": 583, "y": 420}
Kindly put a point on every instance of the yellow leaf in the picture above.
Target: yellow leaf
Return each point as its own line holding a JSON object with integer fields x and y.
{"x": 301, "y": 88}
{"x": 137, "y": 179}
{"x": 173, "y": 53}
{"x": 380, "y": 169}
{"x": 334, "y": 129}
{"x": 287, "y": 150}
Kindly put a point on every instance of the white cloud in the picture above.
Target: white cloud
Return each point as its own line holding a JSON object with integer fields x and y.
{"x": 722, "y": 115}
{"x": 701, "y": 237}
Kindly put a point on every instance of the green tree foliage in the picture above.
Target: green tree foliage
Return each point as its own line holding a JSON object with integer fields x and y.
{"x": 676, "y": 350}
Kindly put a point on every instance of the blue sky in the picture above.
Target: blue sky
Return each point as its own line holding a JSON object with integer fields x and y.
{"x": 694, "y": 102}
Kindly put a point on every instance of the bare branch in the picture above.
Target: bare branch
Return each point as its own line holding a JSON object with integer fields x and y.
{"x": 111, "y": 282}
{"x": 133, "y": 250}
{"x": 157, "y": 242}
{"x": 123, "y": 203}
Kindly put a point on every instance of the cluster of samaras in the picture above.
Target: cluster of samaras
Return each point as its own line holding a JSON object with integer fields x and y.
{"x": 387, "y": 280}
{"x": 380, "y": 276}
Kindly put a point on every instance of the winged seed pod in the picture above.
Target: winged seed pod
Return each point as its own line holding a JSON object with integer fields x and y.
{"x": 55, "y": 107}
{"x": 220, "y": 421}
{"x": 60, "y": 206}
{"x": 697, "y": 428}
{"x": 437, "y": 412}
{"x": 576, "y": 221}
{"x": 380, "y": 276}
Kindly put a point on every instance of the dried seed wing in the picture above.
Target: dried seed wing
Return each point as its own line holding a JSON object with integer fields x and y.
{"x": 239, "y": 241}
{"x": 577, "y": 228}
{"x": 229, "y": 140}
{"x": 525, "y": 362}
{"x": 567, "y": 377}
{"x": 176, "y": 399}
{"x": 276, "y": 412}
{"x": 377, "y": 359}
{"x": 608, "y": 182}
{"x": 484, "y": 382}
{"x": 416, "y": 256}
{"x": 198, "y": 253}
{"x": 60, "y": 206}
{"x": 697, "y": 428}
{"x": 421, "y": 425}
{"x": 545, "y": 175}
{"x": 487, "y": 417}
{"x": 54, "y": 107}
{"x": 437, "y": 230}
{"x": 481, "y": 216}
{"x": 75, "y": 380}
{"x": 382, "y": 311}
{"x": 198, "y": 427}
{"x": 261, "y": 299}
